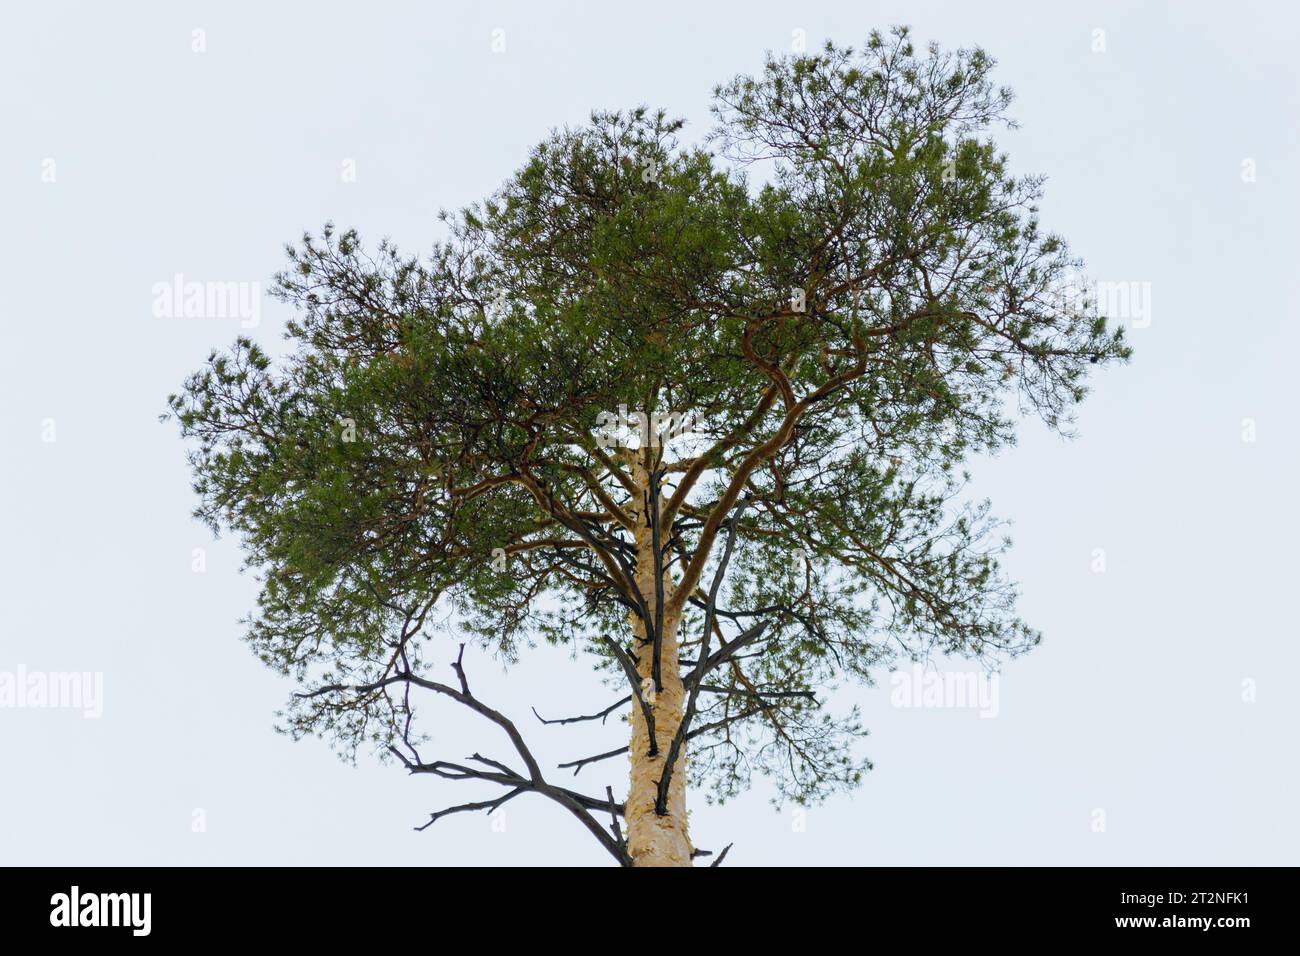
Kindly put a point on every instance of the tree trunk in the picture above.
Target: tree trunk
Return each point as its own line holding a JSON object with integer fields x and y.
{"x": 654, "y": 839}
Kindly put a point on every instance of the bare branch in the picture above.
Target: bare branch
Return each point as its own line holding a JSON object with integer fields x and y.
{"x": 629, "y": 668}
{"x": 600, "y": 715}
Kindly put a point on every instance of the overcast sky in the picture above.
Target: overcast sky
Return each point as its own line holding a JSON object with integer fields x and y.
{"x": 1157, "y": 722}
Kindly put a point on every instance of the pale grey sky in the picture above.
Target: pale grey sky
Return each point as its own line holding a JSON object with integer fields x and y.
{"x": 129, "y": 158}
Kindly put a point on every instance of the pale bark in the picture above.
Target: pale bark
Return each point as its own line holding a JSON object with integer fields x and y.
{"x": 654, "y": 839}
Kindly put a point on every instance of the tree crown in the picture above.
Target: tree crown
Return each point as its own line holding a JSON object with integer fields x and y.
{"x": 813, "y": 321}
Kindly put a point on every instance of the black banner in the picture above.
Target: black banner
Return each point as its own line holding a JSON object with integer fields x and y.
{"x": 1167, "y": 906}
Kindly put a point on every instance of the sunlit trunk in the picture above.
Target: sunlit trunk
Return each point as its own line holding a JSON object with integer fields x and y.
{"x": 654, "y": 839}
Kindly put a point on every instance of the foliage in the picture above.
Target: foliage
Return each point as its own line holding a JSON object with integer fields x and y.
{"x": 853, "y": 296}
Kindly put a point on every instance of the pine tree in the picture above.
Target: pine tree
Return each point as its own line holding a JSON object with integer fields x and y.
{"x": 702, "y": 415}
